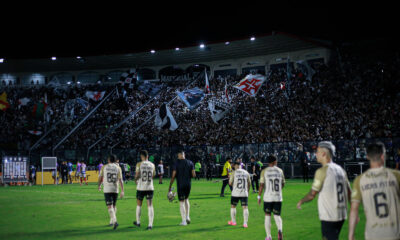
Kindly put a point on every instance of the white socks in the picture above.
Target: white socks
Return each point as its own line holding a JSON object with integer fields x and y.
{"x": 151, "y": 215}
{"x": 138, "y": 212}
{"x": 233, "y": 215}
{"x": 113, "y": 218}
{"x": 187, "y": 208}
{"x": 183, "y": 211}
{"x": 246, "y": 215}
{"x": 268, "y": 225}
{"x": 278, "y": 221}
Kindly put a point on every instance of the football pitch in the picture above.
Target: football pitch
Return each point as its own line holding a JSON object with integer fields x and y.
{"x": 79, "y": 212}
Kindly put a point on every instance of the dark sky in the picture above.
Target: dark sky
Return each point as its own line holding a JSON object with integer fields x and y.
{"x": 92, "y": 32}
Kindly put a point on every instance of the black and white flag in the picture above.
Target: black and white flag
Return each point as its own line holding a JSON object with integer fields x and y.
{"x": 164, "y": 119}
{"x": 218, "y": 110}
{"x": 129, "y": 78}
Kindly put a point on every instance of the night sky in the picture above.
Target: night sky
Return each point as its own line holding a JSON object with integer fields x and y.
{"x": 43, "y": 35}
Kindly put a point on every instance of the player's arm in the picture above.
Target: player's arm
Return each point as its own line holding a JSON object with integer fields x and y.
{"x": 231, "y": 178}
{"x": 283, "y": 180}
{"x": 353, "y": 218}
{"x": 254, "y": 169}
{"x": 248, "y": 182}
{"x": 172, "y": 180}
{"x": 260, "y": 190}
{"x": 319, "y": 179}
{"x": 121, "y": 182}
{"x": 193, "y": 170}
{"x": 101, "y": 178}
{"x": 137, "y": 173}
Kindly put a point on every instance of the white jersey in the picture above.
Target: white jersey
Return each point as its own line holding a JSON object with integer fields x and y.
{"x": 379, "y": 191}
{"x": 147, "y": 171}
{"x": 273, "y": 180}
{"x": 331, "y": 182}
{"x": 111, "y": 174}
{"x": 240, "y": 180}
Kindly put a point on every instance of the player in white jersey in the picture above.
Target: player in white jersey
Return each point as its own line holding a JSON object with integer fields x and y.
{"x": 333, "y": 187}
{"x": 145, "y": 172}
{"x": 378, "y": 190}
{"x": 111, "y": 178}
{"x": 240, "y": 182}
{"x": 272, "y": 180}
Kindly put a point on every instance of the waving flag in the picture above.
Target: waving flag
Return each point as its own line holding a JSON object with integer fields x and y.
{"x": 3, "y": 102}
{"x": 129, "y": 78}
{"x": 227, "y": 99}
{"x": 251, "y": 84}
{"x": 149, "y": 88}
{"x": 39, "y": 109}
{"x": 83, "y": 103}
{"x": 23, "y": 102}
{"x": 306, "y": 69}
{"x": 164, "y": 119}
{"x": 218, "y": 110}
{"x": 191, "y": 97}
{"x": 207, "y": 83}
{"x": 95, "y": 96}
{"x": 37, "y": 133}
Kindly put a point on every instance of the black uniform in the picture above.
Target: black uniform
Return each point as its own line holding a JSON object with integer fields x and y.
{"x": 304, "y": 165}
{"x": 183, "y": 170}
{"x": 256, "y": 178}
{"x": 64, "y": 173}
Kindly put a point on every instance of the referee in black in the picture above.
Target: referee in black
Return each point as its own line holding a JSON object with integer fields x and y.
{"x": 183, "y": 171}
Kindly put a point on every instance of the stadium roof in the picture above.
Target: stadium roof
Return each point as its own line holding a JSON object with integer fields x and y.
{"x": 262, "y": 45}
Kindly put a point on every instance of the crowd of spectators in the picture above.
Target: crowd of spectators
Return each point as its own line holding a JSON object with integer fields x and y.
{"x": 351, "y": 99}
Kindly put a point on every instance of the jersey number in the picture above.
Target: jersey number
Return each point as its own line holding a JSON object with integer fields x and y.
{"x": 381, "y": 207}
{"x": 241, "y": 183}
{"x": 111, "y": 177}
{"x": 340, "y": 192}
{"x": 274, "y": 184}
{"x": 147, "y": 176}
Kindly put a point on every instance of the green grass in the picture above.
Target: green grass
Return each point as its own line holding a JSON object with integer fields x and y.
{"x": 79, "y": 212}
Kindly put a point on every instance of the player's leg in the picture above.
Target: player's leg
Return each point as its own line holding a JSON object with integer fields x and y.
{"x": 257, "y": 183}
{"x": 114, "y": 208}
{"x": 234, "y": 202}
{"x": 139, "y": 201}
{"x": 187, "y": 205}
{"x": 109, "y": 203}
{"x": 267, "y": 223}
{"x": 150, "y": 208}
{"x": 253, "y": 183}
{"x": 244, "y": 202}
{"x": 181, "y": 197}
{"x": 277, "y": 217}
{"x": 224, "y": 183}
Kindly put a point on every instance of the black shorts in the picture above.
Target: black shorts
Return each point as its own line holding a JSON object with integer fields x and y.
{"x": 183, "y": 193}
{"x": 243, "y": 200}
{"x": 273, "y": 207}
{"x": 111, "y": 198}
{"x": 140, "y": 195}
{"x": 331, "y": 230}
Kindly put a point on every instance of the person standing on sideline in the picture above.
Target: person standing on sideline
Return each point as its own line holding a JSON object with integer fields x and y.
{"x": 255, "y": 170}
{"x": 333, "y": 187}
{"x": 183, "y": 171}
{"x": 397, "y": 159}
{"x": 197, "y": 168}
{"x": 160, "y": 169}
{"x": 226, "y": 172}
{"x": 379, "y": 192}
{"x": 303, "y": 159}
{"x": 210, "y": 169}
{"x": 111, "y": 178}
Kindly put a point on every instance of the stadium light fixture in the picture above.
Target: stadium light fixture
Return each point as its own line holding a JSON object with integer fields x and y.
{"x": 68, "y": 83}
{"x": 153, "y": 51}
{"x": 227, "y": 43}
{"x": 177, "y": 49}
{"x": 1, "y": 60}
{"x": 53, "y": 58}
{"x": 202, "y": 45}
{"x": 252, "y": 38}
{"x": 78, "y": 82}
{"x": 78, "y": 57}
